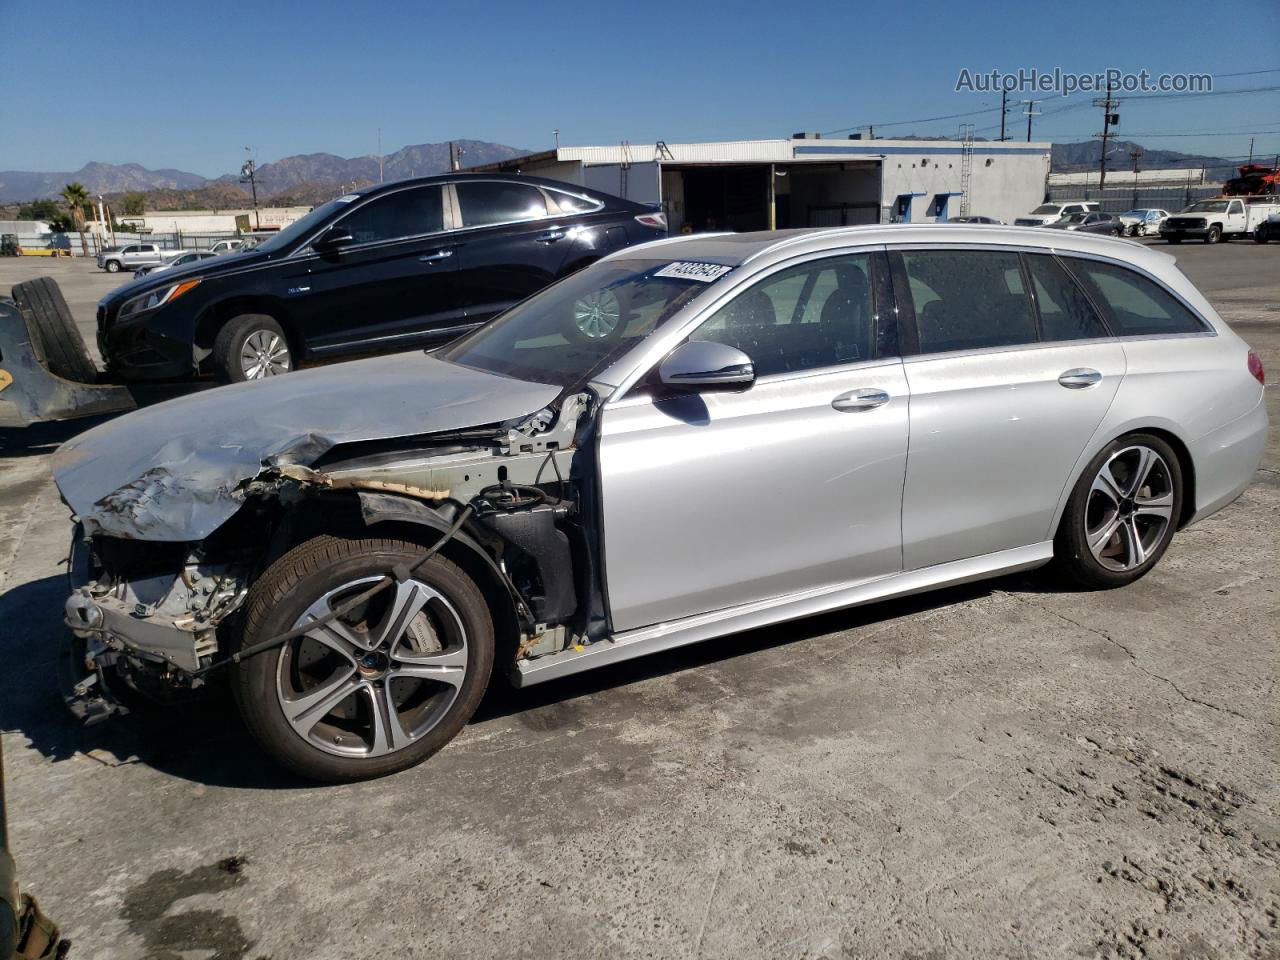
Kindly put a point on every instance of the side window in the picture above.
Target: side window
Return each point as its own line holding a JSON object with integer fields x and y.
{"x": 571, "y": 204}
{"x": 487, "y": 202}
{"x": 406, "y": 213}
{"x": 133, "y": 249}
{"x": 1065, "y": 311}
{"x": 1236, "y": 207}
{"x": 818, "y": 314}
{"x": 1138, "y": 306}
{"x": 968, "y": 299}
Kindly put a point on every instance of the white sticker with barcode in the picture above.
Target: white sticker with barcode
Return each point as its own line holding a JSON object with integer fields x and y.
{"x": 689, "y": 270}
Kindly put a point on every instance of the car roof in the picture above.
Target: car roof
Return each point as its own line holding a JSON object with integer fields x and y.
{"x": 736, "y": 249}
{"x": 455, "y": 177}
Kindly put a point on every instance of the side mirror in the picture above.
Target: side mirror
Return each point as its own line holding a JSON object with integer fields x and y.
{"x": 700, "y": 365}
{"x": 335, "y": 236}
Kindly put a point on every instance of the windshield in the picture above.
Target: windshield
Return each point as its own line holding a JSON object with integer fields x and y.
{"x": 1047, "y": 208}
{"x": 300, "y": 228}
{"x": 1207, "y": 206}
{"x": 1134, "y": 213}
{"x": 1072, "y": 218}
{"x": 571, "y": 331}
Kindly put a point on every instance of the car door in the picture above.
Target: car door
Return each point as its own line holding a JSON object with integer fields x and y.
{"x": 1007, "y": 388}
{"x": 509, "y": 245}
{"x": 718, "y": 499}
{"x": 392, "y": 286}
{"x": 1237, "y": 221}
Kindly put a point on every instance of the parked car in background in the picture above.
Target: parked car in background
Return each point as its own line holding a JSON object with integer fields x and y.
{"x": 1268, "y": 229}
{"x": 973, "y": 219}
{"x": 1048, "y": 213}
{"x": 1106, "y": 223}
{"x": 226, "y": 246}
{"x": 182, "y": 259}
{"x": 1222, "y": 218}
{"x": 392, "y": 266}
{"x": 133, "y": 256}
{"x": 1143, "y": 222}
{"x": 562, "y": 489}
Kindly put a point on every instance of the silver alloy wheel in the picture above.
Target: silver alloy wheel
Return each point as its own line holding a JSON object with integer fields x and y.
{"x": 264, "y": 354}
{"x": 1130, "y": 508}
{"x": 597, "y": 314}
{"x": 360, "y": 687}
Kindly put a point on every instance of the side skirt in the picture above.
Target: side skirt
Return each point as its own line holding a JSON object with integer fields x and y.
{"x": 678, "y": 633}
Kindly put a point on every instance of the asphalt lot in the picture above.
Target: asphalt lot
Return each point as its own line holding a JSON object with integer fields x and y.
{"x": 1007, "y": 769}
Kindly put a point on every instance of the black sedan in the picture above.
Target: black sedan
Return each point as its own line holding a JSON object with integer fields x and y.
{"x": 393, "y": 266}
{"x": 1105, "y": 223}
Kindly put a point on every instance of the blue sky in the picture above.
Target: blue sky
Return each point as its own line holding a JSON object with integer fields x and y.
{"x": 284, "y": 77}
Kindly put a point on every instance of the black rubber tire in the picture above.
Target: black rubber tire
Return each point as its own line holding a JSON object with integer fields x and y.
{"x": 279, "y": 598}
{"x": 230, "y": 339}
{"x": 55, "y": 339}
{"x": 112, "y": 266}
{"x": 1261, "y": 235}
{"x": 1214, "y": 234}
{"x": 1072, "y": 557}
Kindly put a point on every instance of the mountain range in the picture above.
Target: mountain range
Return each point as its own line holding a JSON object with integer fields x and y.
{"x": 290, "y": 178}
{"x": 311, "y": 178}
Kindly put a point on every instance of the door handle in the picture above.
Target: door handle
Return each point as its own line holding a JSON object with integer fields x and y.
{"x": 551, "y": 236}
{"x": 438, "y": 255}
{"x": 867, "y": 398}
{"x": 1079, "y": 377}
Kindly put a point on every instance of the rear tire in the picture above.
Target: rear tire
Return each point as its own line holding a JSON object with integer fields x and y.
{"x": 1122, "y": 514}
{"x": 54, "y": 337}
{"x": 252, "y": 346}
{"x": 385, "y": 710}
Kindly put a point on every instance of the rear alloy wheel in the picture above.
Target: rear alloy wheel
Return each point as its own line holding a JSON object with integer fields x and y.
{"x": 382, "y": 687}
{"x": 1122, "y": 513}
{"x": 252, "y": 346}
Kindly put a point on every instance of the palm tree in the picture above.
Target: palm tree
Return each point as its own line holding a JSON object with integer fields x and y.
{"x": 76, "y": 196}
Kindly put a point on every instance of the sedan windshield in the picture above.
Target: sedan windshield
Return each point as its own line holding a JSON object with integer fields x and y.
{"x": 1047, "y": 208}
{"x": 571, "y": 331}
{"x": 301, "y": 227}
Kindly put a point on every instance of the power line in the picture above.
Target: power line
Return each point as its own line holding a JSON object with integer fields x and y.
{"x": 903, "y": 123}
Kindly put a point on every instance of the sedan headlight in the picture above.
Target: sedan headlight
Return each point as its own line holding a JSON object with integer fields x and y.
{"x": 152, "y": 299}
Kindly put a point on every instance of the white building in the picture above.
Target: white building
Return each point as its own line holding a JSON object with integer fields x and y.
{"x": 214, "y": 222}
{"x": 806, "y": 180}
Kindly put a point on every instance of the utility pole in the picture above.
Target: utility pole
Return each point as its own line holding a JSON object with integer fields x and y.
{"x": 1251, "y": 150}
{"x": 1004, "y": 106}
{"x": 248, "y": 174}
{"x": 455, "y": 157}
{"x": 1030, "y": 112}
{"x": 380, "y": 155}
{"x": 1135, "y": 155}
{"x": 1109, "y": 119}
{"x": 556, "y": 134}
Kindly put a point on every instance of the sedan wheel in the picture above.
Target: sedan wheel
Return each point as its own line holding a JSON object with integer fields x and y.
{"x": 264, "y": 354}
{"x": 597, "y": 315}
{"x": 379, "y": 688}
{"x": 1122, "y": 513}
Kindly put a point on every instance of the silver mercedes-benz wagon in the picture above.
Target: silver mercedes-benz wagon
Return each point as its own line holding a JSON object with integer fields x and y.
{"x": 689, "y": 438}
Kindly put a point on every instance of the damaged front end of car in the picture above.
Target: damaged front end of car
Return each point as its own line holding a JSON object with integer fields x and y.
{"x": 155, "y": 611}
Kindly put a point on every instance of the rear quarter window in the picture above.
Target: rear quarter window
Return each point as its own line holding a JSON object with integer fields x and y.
{"x": 1138, "y": 306}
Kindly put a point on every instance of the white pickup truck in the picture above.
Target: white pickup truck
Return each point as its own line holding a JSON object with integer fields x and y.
{"x": 1218, "y": 219}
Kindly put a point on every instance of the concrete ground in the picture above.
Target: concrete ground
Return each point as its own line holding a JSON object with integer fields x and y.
{"x": 1009, "y": 769}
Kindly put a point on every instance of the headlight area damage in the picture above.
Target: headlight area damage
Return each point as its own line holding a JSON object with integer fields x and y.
{"x": 163, "y": 563}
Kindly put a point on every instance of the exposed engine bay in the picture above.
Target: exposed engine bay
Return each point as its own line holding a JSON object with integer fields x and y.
{"x": 509, "y": 501}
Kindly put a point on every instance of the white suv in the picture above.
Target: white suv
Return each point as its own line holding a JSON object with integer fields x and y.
{"x": 1049, "y": 212}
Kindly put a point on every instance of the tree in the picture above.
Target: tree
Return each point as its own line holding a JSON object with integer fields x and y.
{"x": 135, "y": 204}
{"x": 38, "y": 210}
{"x": 60, "y": 223}
{"x": 76, "y": 196}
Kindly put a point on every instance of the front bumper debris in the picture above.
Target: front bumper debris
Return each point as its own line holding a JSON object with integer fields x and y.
{"x": 35, "y": 391}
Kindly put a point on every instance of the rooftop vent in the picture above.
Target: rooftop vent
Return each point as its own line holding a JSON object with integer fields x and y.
{"x": 806, "y": 136}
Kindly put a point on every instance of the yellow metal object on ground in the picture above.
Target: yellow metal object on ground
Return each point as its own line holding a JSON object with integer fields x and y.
{"x": 6, "y": 378}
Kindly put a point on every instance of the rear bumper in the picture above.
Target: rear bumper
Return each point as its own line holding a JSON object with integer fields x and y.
{"x": 1227, "y": 459}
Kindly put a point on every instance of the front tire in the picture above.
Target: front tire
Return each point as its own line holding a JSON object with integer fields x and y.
{"x": 1214, "y": 234}
{"x": 252, "y": 346}
{"x": 376, "y": 691}
{"x": 113, "y": 266}
{"x": 1122, "y": 513}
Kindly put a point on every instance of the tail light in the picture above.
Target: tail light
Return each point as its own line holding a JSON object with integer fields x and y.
{"x": 1255, "y": 368}
{"x": 657, "y": 221}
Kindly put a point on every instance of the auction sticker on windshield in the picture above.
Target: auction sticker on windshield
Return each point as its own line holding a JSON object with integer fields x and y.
{"x": 689, "y": 270}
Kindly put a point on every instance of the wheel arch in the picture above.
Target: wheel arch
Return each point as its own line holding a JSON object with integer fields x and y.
{"x": 213, "y": 317}
{"x": 1167, "y": 433}
{"x": 362, "y": 514}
